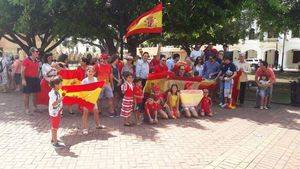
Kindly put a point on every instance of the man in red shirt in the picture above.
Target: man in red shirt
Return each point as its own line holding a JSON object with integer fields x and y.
{"x": 161, "y": 67}
{"x": 30, "y": 78}
{"x": 104, "y": 73}
{"x": 264, "y": 70}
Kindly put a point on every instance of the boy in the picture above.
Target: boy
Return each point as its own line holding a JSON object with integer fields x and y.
{"x": 55, "y": 109}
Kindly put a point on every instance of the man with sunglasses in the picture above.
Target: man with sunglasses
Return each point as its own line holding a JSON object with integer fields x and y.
{"x": 30, "y": 78}
{"x": 104, "y": 73}
{"x": 162, "y": 66}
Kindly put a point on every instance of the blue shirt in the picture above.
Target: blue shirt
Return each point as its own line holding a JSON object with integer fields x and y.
{"x": 142, "y": 69}
{"x": 209, "y": 68}
{"x": 170, "y": 64}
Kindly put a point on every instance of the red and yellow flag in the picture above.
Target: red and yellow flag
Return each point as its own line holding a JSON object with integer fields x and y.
{"x": 71, "y": 77}
{"x": 149, "y": 22}
{"x": 83, "y": 95}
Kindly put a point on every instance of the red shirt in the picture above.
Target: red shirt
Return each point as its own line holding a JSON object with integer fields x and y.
{"x": 154, "y": 62}
{"x": 138, "y": 93}
{"x": 80, "y": 73}
{"x": 103, "y": 72}
{"x": 205, "y": 104}
{"x": 187, "y": 68}
{"x": 160, "y": 68}
{"x": 31, "y": 67}
{"x": 151, "y": 107}
{"x": 269, "y": 73}
{"x": 120, "y": 65}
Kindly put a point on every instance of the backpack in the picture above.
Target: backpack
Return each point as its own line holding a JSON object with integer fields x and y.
{"x": 1, "y": 66}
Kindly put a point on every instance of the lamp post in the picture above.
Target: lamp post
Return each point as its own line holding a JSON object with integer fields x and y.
{"x": 283, "y": 46}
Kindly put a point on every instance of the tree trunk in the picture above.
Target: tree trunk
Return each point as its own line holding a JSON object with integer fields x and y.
{"x": 132, "y": 45}
{"x": 111, "y": 46}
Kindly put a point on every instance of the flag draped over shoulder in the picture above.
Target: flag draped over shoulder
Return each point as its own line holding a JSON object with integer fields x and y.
{"x": 84, "y": 95}
{"x": 165, "y": 80}
{"x": 236, "y": 88}
{"x": 149, "y": 22}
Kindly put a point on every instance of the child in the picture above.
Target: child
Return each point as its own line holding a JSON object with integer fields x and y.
{"x": 151, "y": 111}
{"x": 173, "y": 101}
{"x": 128, "y": 103}
{"x": 55, "y": 109}
{"x": 190, "y": 111}
{"x": 228, "y": 84}
{"x": 159, "y": 99}
{"x": 206, "y": 104}
{"x": 263, "y": 91}
{"x": 90, "y": 71}
{"x": 138, "y": 99}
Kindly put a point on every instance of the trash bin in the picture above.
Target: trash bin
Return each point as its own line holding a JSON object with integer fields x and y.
{"x": 295, "y": 93}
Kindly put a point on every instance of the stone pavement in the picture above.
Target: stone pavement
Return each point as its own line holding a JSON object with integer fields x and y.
{"x": 242, "y": 138}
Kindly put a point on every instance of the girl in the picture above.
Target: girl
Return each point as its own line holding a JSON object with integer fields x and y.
{"x": 173, "y": 101}
{"x": 262, "y": 88}
{"x": 190, "y": 111}
{"x": 206, "y": 104}
{"x": 159, "y": 99}
{"x": 151, "y": 111}
{"x": 127, "y": 104}
{"x": 55, "y": 109}
{"x": 90, "y": 79}
{"x": 138, "y": 99}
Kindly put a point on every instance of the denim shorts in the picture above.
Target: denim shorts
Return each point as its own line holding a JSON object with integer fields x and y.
{"x": 107, "y": 92}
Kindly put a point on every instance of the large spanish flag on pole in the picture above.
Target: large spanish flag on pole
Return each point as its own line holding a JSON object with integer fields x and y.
{"x": 149, "y": 22}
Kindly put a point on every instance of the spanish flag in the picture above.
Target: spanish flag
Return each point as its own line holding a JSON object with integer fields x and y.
{"x": 149, "y": 22}
{"x": 83, "y": 95}
{"x": 71, "y": 77}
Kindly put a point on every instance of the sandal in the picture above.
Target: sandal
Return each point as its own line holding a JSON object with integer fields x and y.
{"x": 85, "y": 132}
{"x": 127, "y": 124}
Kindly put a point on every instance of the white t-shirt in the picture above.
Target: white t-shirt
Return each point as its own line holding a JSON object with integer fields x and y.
{"x": 247, "y": 69}
{"x": 87, "y": 81}
{"x": 196, "y": 53}
{"x": 54, "y": 110}
{"x": 48, "y": 71}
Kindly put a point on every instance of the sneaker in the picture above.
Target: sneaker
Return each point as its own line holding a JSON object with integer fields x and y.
{"x": 221, "y": 104}
{"x": 28, "y": 112}
{"x": 58, "y": 145}
{"x": 224, "y": 105}
{"x": 231, "y": 107}
{"x": 100, "y": 127}
{"x": 85, "y": 132}
{"x": 111, "y": 116}
{"x": 266, "y": 108}
{"x": 261, "y": 107}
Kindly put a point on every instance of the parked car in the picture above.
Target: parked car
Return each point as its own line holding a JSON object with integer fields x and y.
{"x": 253, "y": 63}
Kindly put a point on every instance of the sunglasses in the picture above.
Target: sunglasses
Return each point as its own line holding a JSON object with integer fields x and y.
{"x": 163, "y": 60}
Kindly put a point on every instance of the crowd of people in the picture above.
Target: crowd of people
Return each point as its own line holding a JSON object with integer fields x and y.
{"x": 124, "y": 81}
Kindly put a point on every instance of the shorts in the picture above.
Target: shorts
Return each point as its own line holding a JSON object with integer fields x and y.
{"x": 263, "y": 92}
{"x": 138, "y": 107}
{"x": 17, "y": 78}
{"x": 227, "y": 93}
{"x": 32, "y": 85}
{"x": 55, "y": 121}
{"x": 107, "y": 92}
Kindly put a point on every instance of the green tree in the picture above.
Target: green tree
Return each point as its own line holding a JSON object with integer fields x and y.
{"x": 31, "y": 23}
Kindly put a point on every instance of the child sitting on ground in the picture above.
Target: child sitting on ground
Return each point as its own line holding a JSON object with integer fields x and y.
{"x": 128, "y": 102}
{"x": 151, "y": 111}
{"x": 190, "y": 111}
{"x": 138, "y": 99}
{"x": 159, "y": 99}
{"x": 206, "y": 104}
{"x": 262, "y": 90}
{"x": 55, "y": 109}
{"x": 90, "y": 79}
{"x": 173, "y": 101}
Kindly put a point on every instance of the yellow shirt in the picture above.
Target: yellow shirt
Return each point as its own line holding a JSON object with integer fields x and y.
{"x": 173, "y": 101}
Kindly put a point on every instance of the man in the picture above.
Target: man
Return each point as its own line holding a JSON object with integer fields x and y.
{"x": 172, "y": 61}
{"x": 104, "y": 73}
{"x": 196, "y": 52}
{"x": 187, "y": 66}
{"x": 227, "y": 66}
{"x": 182, "y": 72}
{"x": 243, "y": 67}
{"x": 210, "y": 51}
{"x": 264, "y": 70}
{"x": 154, "y": 62}
{"x": 226, "y": 52}
{"x": 30, "y": 78}
{"x": 161, "y": 67}
{"x": 211, "y": 68}
{"x": 142, "y": 68}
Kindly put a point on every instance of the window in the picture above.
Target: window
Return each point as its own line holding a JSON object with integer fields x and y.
{"x": 252, "y": 34}
{"x": 271, "y": 34}
{"x": 296, "y": 56}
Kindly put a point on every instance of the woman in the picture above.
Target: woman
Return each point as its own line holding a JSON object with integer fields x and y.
{"x": 16, "y": 70}
{"x": 63, "y": 61}
{"x": 48, "y": 72}
{"x": 117, "y": 81}
{"x": 128, "y": 66}
{"x": 243, "y": 68}
{"x": 198, "y": 66}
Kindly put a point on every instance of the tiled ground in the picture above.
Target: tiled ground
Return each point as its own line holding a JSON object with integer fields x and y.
{"x": 242, "y": 138}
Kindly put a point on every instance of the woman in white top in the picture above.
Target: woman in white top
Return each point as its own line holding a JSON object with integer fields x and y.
{"x": 48, "y": 72}
{"x": 243, "y": 67}
{"x": 198, "y": 67}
